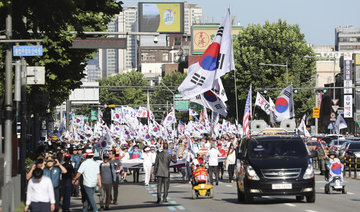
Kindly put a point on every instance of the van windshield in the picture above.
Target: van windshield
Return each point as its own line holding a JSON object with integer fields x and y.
{"x": 268, "y": 148}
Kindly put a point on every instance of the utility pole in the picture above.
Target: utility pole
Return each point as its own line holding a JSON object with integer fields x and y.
{"x": 8, "y": 101}
{"x": 23, "y": 128}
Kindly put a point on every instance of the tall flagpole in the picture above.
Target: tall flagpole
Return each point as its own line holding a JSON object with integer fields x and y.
{"x": 236, "y": 97}
{"x": 148, "y": 110}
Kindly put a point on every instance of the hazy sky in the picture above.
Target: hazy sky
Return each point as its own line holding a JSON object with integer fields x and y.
{"x": 317, "y": 18}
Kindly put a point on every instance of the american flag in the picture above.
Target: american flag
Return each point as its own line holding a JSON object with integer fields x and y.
{"x": 247, "y": 115}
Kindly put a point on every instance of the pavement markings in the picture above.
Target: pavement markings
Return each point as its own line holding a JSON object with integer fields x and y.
{"x": 310, "y": 211}
{"x": 172, "y": 202}
{"x": 180, "y": 207}
{"x": 171, "y": 208}
{"x": 290, "y": 204}
{"x": 350, "y": 193}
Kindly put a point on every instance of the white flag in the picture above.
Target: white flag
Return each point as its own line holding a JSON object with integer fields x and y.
{"x": 261, "y": 102}
{"x": 302, "y": 127}
{"x": 170, "y": 118}
{"x": 214, "y": 103}
{"x": 217, "y": 60}
{"x": 284, "y": 104}
{"x": 340, "y": 123}
{"x": 219, "y": 87}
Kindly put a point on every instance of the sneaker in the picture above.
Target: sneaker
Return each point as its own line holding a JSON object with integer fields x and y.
{"x": 146, "y": 184}
{"x": 115, "y": 203}
{"x": 165, "y": 200}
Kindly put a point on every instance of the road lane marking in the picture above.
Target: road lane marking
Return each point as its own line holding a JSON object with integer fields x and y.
{"x": 290, "y": 204}
{"x": 180, "y": 207}
{"x": 172, "y": 202}
{"x": 172, "y": 208}
{"x": 310, "y": 211}
{"x": 350, "y": 193}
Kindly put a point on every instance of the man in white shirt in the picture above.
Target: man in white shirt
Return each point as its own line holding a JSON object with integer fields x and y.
{"x": 40, "y": 193}
{"x": 213, "y": 155}
{"x": 91, "y": 174}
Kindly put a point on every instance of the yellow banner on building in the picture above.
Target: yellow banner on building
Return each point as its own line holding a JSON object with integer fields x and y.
{"x": 202, "y": 36}
{"x": 357, "y": 59}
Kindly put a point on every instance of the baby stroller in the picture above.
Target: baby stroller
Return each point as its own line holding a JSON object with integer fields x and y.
{"x": 200, "y": 186}
{"x": 336, "y": 180}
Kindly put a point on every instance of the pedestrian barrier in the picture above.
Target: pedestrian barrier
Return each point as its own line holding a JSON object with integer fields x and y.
{"x": 11, "y": 194}
{"x": 351, "y": 165}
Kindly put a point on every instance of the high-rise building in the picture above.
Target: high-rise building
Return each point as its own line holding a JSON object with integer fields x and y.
{"x": 192, "y": 15}
{"x": 127, "y": 23}
{"x": 347, "y": 39}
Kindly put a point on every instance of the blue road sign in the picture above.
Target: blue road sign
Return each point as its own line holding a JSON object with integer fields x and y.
{"x": 28, "y": 50}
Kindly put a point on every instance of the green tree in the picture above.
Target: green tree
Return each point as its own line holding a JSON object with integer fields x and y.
{"x": 162, "y": 95}
{"x": 172, "y": 80}
{"x": 272, "y": 43}
{"x": 52, "y": 21}
{"x": 132, "y": 96}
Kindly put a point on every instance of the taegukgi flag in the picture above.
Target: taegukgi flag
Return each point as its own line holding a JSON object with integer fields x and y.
{"x": 217, "y": 60}
{"x": 214, "y": 103}
{"x": 284, "y": 105}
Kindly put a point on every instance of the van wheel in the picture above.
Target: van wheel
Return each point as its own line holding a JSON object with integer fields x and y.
{"x": 299, "y": 198}
{"x": 310, "y": 198}
{"x": 248, "y": 198}
{"x": 240, "y": 195}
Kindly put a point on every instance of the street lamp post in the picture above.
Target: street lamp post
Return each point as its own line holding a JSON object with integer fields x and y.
{"x": 279, "y": 65}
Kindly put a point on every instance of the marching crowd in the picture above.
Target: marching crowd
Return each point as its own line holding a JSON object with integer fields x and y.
{"x": 65, "y": 168}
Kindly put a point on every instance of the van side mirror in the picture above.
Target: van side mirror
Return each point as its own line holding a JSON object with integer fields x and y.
{"x": 313, "y": 154}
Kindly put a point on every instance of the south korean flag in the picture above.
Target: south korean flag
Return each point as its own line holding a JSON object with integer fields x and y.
{"x": 217, "y": 60}
{"x": 214, "y": 103}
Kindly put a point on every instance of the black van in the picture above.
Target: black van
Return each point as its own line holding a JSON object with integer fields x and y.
{"x": 275, "y": 165}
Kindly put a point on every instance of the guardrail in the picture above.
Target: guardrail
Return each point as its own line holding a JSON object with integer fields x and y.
{"x": 351, "y": 165}
{"x": 11, "y": 194}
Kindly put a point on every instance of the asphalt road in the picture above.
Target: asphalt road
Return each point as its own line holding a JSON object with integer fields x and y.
{"x": 137, "y": 197}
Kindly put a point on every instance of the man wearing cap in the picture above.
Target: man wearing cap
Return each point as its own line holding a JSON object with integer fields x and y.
{"x": 90, "y": 171}
{"x": 107, "y": 173}
{"x": 76, "y": 159}
{"x": 66, "y": 183}
{"x": 134, "y": 154}
{"x": 53, "y": 170}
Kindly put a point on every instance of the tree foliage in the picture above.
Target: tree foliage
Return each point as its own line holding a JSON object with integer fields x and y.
{"x": 272, "y": 43}
{"x": 127, "y": 96}
{"x": 52, "y": 21}
{"x": 162, "y": 94}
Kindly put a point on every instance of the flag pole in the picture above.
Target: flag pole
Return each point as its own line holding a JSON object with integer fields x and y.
{"x": 236, "y": 96}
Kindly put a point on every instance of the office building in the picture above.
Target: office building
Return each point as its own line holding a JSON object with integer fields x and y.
{"x": 192, "y": 15}
{"x": 347, "y": 39}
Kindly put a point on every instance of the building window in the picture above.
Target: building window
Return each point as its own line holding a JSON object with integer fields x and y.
{"x": 177, "y": 41}
{"x": 165, "y": 57}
